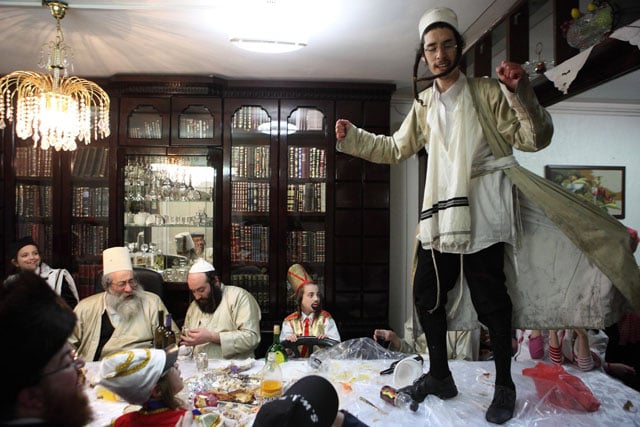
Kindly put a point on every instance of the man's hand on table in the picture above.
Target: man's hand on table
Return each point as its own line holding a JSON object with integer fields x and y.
{"x": 198, "y": 336}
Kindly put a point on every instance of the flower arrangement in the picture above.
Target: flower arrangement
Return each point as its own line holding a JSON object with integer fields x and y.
{"x": 588, "y": 187}
{"x": 590, "y": 28}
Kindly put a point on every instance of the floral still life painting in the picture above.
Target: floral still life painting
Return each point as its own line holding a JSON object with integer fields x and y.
{"x": 602, "y": 185}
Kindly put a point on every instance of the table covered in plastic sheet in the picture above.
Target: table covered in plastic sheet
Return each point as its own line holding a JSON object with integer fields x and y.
{"x": 355, "y": 373}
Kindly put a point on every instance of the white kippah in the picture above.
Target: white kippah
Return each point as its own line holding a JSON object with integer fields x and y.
{"x": 201, "y": 266}
{"x": 439, "y": 14}
{"x": 116, "y": 259}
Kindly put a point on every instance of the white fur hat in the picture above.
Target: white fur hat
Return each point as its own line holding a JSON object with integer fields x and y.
{"x": 116, "y": 259}
{"x": 131, "y": 374}
{"x": 201, "y": 266}
{"x": 439, "y": 14}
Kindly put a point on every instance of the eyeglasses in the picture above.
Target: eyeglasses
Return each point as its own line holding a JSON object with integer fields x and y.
{"x": 445, "y": 47}
{"x": 76, "y": 362}
{"x": 121, "y": 285}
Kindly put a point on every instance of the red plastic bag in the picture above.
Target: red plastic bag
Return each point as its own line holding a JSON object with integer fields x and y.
{"x": 562, "y": 388}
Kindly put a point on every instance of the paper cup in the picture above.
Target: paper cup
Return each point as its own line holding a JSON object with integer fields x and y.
{"x": 406, "y": 372}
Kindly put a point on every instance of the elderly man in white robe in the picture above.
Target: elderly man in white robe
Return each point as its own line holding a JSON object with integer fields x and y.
{"x": 222, "y": 321}
{"x": 124, "y": 316}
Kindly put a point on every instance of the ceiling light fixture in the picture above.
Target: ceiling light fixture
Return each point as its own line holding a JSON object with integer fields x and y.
{"x": 53, "y": 108}
{"x": 268, "y": 26}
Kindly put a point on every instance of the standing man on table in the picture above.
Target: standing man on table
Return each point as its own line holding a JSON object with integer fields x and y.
{"x": 43, "y": 382}
{"x": 468, "y": 211}
{"x": 222, "y": 321}
{"x": 124, "y": 316}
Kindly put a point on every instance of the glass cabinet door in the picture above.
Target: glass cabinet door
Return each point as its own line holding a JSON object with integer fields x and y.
{"x": 253, "y": 193}
{"x": 89, "y": 212}
{"x": 170, "y": 211}
{"x": 34, "y": 208}
{"x": 306, "y": 192}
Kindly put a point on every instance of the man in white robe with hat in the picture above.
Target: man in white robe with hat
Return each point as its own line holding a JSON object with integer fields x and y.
{"x": 222, "y": 321}
{"x": 124, "y": 316}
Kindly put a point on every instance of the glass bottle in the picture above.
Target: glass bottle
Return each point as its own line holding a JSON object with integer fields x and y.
{"x": 169, "y": 335}
{"x": 399, "y": 400}
{"x": 276, "y": 347}
{"x": 158, "y": 333}
{"x": 271, "y": 382}
{"x": 159, "y": 260}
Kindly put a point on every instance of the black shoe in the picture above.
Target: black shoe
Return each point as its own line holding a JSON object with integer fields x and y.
{"x": 502, "y": 406}
{"x": 427, "y": 384}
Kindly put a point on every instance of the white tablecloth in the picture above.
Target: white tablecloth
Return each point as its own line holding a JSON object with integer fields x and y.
{"x": 474, "y": 380}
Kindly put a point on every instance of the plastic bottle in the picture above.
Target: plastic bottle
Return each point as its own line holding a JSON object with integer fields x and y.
{"x": 271, "y": 382}
{"x": 399, "y": 400}
{"x": 276, "y": 347}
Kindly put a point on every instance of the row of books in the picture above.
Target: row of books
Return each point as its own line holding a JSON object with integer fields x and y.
{"x": 196, "y": 128}
{"x": 250, "y": 162}
{"x": 146, "y": 130}
{"x": 307, "y": 162}
{"x": 307, "y": 119}
{"x": 250, "y": 197}
{"x": 33, "y": 162}
{"x": 88, "y": 240}
{"x": 249, "y": 243}
{"x": 85, "y": 278}
{"x": 90, "y": 202}
{"x": 257, "y": 285}
{"x": 249, "y": 118}
{"x": 33, "y": 200}
{"x": 306, "y": 246}
{"x": 307, "y": 197}
{"x": 90, "y": 162}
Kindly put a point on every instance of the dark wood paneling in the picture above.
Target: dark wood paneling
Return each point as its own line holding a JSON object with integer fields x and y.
{"x": 348, "y": 195}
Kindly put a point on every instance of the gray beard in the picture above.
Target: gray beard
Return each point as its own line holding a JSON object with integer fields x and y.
{"x": 126, "y": 308}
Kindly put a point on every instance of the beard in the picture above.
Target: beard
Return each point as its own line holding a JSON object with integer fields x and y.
{"x": 126, "y": 307}
{"x": 71, "y": 410}
{"x": 210, "y": 303}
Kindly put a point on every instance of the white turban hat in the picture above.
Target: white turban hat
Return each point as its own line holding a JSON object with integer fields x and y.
{"x": 439, "y": 14}
{"x": 116, "y": 259}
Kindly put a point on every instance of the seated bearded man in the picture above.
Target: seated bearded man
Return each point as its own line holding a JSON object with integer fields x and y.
{"x": 124, "y": 316}
{"x": 222, "y": 321}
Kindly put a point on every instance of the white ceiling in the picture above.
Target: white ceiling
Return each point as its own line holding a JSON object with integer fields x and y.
{"x": 350, "y": 40}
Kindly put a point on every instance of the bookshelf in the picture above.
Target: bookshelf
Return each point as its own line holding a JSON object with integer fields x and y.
{"x": 280, "y": 194}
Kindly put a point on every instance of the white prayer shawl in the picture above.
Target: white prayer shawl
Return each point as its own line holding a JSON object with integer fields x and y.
{"x": 445, "y": 220}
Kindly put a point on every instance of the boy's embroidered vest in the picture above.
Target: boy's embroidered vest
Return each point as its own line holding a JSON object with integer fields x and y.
{"x": 315, "y": 328}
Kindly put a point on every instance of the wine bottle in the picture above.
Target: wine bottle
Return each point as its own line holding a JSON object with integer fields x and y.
{"x": 169, "y": 335}
{"x": 276, "y": 347}
{"x": 271, "y": 382}
{"x": 158, "y": 333}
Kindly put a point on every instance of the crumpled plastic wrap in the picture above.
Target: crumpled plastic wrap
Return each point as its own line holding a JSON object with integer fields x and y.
{"x": 353, "y": 349}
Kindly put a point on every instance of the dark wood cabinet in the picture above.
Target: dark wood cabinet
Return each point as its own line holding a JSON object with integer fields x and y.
{"x": 280, "y": 194}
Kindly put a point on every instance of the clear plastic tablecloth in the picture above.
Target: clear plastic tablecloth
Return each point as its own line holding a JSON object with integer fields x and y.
{"x": 355, "y": 379}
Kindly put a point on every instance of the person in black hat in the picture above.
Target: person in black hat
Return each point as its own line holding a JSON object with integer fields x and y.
{"x": 25, "y": 256}
{"x": 310, "y": 402}
{"x": 43, "y": 380}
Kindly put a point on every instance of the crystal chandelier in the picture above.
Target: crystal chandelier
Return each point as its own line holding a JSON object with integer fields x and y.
{"x": 54, "y": 108}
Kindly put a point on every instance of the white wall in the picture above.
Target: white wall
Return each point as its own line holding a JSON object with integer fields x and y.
{"x": 585, "y": 134}
{"x": 595, "y": 134}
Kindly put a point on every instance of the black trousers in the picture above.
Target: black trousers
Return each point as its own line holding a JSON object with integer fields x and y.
{"x": 436, "y": 275}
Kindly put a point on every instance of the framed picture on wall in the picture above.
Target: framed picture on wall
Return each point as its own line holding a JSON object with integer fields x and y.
{"x": 602, "y": 185}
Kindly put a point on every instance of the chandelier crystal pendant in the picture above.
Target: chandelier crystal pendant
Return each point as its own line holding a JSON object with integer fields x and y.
{"x": 54, "y": 109}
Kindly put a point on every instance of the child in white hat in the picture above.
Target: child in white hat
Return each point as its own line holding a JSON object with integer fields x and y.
{"x": 147, "y": 377}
